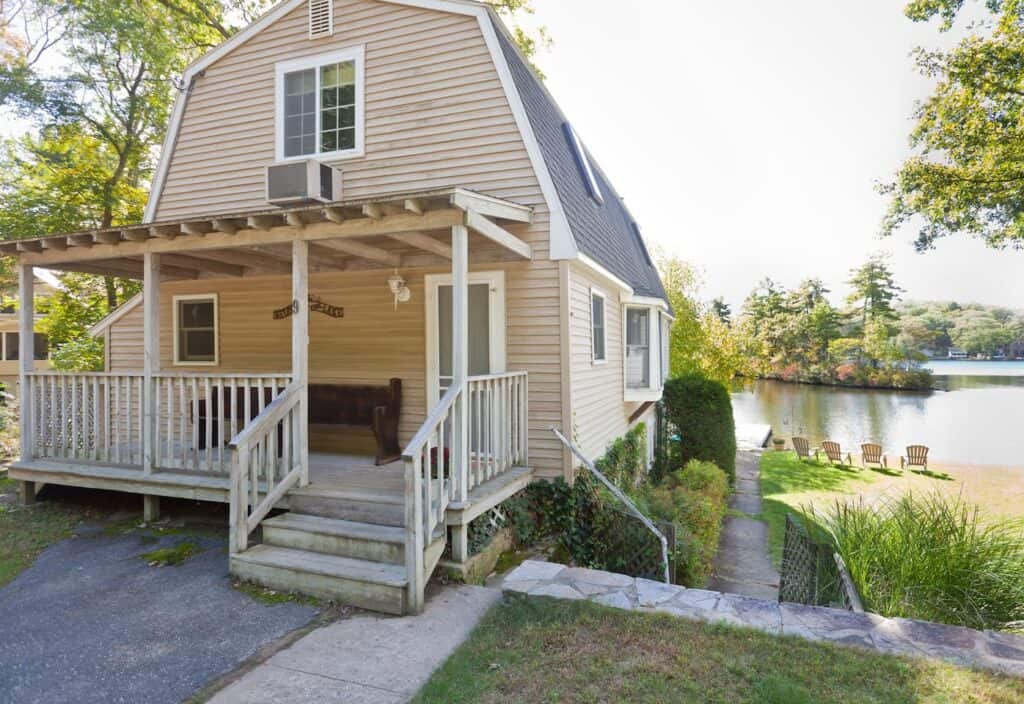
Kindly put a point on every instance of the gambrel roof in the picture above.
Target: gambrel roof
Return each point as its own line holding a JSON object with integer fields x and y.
{"x": 603, "y": 232}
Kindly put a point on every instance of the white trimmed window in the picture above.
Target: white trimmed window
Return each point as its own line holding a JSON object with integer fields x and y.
{"x": 195, "y": 330}
{"x": 598, "y": 328}
{"x": 638, "y": 348}
{"x": 320, "y": 106}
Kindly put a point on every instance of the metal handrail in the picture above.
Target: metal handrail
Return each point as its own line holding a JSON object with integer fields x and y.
{"x": 618, "y": 493}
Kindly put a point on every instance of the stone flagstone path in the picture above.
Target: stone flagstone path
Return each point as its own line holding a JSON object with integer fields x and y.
{"x": 963, "y": 646}
{"x": 742, "y": 564}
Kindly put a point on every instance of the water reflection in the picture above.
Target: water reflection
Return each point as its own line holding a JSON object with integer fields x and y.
{"x": 973, "y": 419}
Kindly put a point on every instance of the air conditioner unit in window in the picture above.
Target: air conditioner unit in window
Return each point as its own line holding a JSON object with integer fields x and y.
{"x": 303, "y": 182}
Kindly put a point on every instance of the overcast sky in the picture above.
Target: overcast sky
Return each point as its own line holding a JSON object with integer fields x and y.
{"x": 747, "y": 136}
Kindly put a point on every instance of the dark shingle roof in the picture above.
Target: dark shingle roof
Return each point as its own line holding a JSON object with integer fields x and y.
{"x": 606, "y": 232}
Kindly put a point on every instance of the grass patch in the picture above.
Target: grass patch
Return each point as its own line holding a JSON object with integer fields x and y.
{"x": 272, "y": 597}
{"x": 557, "y": 651}
{"x": 788, "y": 485}
{"x": 510, "y": 559}
{"x": 172, "y": 556}
{"x": 931, "y": 557}
{"x": 27, "y": 531}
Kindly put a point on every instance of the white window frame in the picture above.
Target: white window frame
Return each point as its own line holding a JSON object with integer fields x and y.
{"x": 356, "y": 54}
{"x": 176, "y": 360}
{"x": 598, "y": 293}
{"x": 496, "y": 281}
{"x": 651, "y": 392}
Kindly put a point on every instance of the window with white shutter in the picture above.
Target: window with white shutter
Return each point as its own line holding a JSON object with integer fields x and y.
{"x": 321, "y": 18}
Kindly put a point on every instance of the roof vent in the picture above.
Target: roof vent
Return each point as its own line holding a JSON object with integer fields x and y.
{"x": 321, "y": 18}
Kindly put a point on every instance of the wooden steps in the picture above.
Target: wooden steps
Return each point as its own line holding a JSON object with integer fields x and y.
{"x": 364, "y": 541}
{"x": 379, "y": 508}
{"x": 370, "y": 585}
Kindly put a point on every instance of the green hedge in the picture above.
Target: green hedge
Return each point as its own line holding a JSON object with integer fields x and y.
{"x": 694, "y": 499}
{"x": 701, "y": 412}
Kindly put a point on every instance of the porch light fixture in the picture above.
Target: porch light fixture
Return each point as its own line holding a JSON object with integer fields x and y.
{"x": 398, "y": 289}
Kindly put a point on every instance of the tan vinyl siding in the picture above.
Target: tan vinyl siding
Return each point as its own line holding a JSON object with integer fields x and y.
{"x": 436, "y": 112}
{"x": 371, "y": 344}
{"x": 599, "y": 413}
{"x": 436, "y": 116}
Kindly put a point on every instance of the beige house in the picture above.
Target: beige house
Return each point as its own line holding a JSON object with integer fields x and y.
{"x": 10, "y": 346}
{"x": 379, "y": 266}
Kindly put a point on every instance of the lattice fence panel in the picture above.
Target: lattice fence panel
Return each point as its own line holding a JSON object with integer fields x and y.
{"x": 809, "y": 573}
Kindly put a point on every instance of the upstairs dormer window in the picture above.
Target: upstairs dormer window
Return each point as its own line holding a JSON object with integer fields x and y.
{"x": 586, "y": 169}
{"x": 320, "y": 106}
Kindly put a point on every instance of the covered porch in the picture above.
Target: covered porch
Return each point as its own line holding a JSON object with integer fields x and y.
{"x": 243, "y": 436}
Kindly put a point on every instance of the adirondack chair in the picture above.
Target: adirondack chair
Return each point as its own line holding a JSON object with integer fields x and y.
{"x": 835, "y": 453}
{"x": 803, "y": 449}
{"x": 872, "y": 454}
{"x": 917, "y": 456}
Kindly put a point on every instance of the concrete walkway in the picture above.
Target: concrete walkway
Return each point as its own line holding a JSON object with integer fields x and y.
{"x": 369, "y": 659}
{"x": 742, "y": 565}
{"x": 898, "y": 636}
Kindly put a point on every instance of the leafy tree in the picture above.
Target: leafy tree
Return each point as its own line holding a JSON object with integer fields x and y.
{"x": 873, "y": 292}
{"x": 967, "y": 173}
{"x": 722, "y": 310}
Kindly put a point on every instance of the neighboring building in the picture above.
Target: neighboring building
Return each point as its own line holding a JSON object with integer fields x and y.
{"x": 956, "y": 353}
{"x": 477, "y": 282}
{"x": 45, "y": 285}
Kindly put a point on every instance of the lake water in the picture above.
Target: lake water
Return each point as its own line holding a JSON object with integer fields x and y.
{"x": 977, "y": 417}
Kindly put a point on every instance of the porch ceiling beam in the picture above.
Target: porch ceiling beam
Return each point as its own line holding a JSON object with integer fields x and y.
{"x": 325, "y": 256}
{"x": 424, "y": 242}
{"x": 200, "y": 265}
{"x": 358, "y": 249}
{"x": 81, "y": 240}
{"x": 107, "y": 237}
{"x": 481, "y": 225}
{"x": 168, "y": 232}
{"x": 335, "y": 215}
{"x": 261, "y": 222}
{"x": 244, "y": 258}
{"x": 357, "y": 227}
{"x": 135, "y": 234}
{"x": 414, "y": 205}
{"x": 228, "y": 227}
{"x": 135, "y": 269}
{"x": 373, "y": 211}
{"x": 491, "y": 207}
{"x": 31, "y": 246}
{"x": 196, "y": 228}
{"x": 58, "y": 244}
{"x": 295, "y": 220}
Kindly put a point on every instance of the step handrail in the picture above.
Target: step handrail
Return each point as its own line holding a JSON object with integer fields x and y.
{"x": 618, "y": 493}
{"x": 247, "y": 510}
{"x": 435, "y": 416}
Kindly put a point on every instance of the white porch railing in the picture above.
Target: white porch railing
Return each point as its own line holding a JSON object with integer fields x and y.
{"x": 90, "y": 417}
{"x": 100, "y": 417}
{"x": 431, "y": 471}
{"x": 498, "y": 420}
{"x": 267, "y": 451}
{"x": 197, "y": 414}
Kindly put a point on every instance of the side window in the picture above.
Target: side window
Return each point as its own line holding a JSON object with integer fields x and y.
{"x": 598, "y": 327}
{"x": 195, "y": 324}
{"x": 638, "y": 348}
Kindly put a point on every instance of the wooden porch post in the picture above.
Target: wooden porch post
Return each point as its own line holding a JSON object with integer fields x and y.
{"x": 26, "y": 357}
{"x": 460, "y": 374}
{"x": 300, "y": 347}
{"x": 151, "y": 357}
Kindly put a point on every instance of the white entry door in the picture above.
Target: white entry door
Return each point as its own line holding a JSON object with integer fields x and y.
{"x": 486, "y": 329}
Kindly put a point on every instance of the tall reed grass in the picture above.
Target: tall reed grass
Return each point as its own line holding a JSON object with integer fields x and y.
{"x": 932, "y": 557}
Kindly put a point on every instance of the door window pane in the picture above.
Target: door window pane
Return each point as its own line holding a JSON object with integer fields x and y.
{"x": 479, "y": 332}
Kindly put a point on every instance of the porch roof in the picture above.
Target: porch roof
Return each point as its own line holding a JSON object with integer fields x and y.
{"x": 406, "y": 230}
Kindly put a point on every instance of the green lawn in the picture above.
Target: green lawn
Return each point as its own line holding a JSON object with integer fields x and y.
{"x": 560, "y": 651}
{"x": 789, "y": 485}
{"x": 27, "y": 531}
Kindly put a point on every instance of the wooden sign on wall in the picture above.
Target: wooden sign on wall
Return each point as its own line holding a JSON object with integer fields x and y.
{"x": 316, "y": 305}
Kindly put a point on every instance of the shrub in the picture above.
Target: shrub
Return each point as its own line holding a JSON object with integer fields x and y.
{"x": 932, "y": 558}
{"x": 694, "y": 499}
{"x": 701, "y": 411}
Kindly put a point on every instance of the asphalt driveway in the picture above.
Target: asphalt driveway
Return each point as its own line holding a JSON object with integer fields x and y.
{"x": 91, "y": 621}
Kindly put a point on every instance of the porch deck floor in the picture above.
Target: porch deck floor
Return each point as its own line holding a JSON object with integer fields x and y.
{"x": 356, "y": 472}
